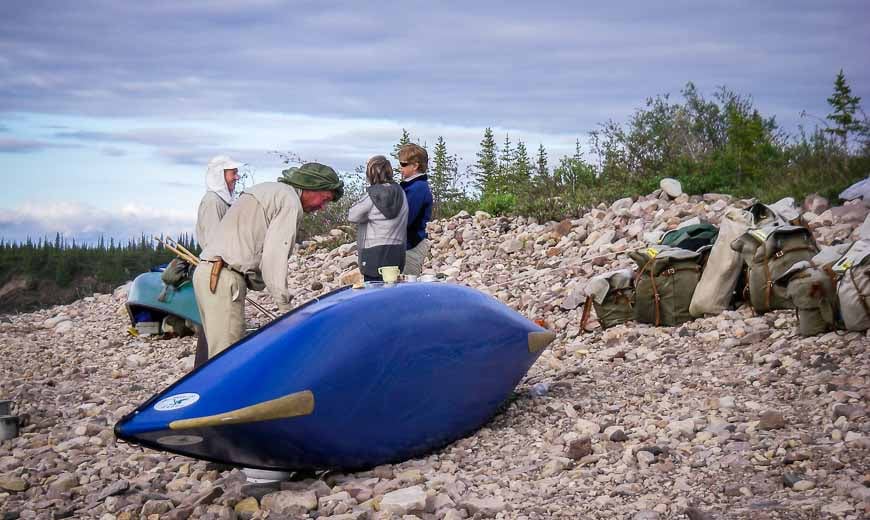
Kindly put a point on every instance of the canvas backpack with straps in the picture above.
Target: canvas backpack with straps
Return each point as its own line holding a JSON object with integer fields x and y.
{"x": 612, "y": 296}
{"x": 768, "y": 252}
{"x": 784, "y": 211}
{"x": 664, "y": 284}
{"x": 716, "y": 289}
{"x": 811, "y": 285}
{"x": 853, "y": 288}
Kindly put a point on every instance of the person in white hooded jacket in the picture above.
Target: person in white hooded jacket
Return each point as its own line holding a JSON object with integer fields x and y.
{"x": 221, "y": 176}
{"x": 220, "y": 180}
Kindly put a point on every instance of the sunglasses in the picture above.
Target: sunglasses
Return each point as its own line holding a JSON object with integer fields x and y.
{"x": 404, "y": 164}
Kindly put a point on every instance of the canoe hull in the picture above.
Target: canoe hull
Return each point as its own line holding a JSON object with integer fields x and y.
{"x": 392, "y": 372}
{"x": 147, "y": 287}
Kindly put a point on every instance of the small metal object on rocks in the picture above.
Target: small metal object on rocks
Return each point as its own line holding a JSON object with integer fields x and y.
{"x": 262, "y": 476}
{"x": 8, "y": 427}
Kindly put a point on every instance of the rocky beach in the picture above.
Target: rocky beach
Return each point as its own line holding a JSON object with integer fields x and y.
{"x": 726, "y": 417}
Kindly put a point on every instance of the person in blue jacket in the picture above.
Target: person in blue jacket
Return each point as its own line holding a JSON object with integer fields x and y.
{"x": 413, "y": 163}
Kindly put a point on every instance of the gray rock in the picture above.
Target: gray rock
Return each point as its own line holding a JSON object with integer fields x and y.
{"x": 156, "y": 507}
{"x": 405, "y": 500}
{"x": 672, "y": 187}
{"x": 485, "y": 507}
{"x": 289, "y": 502}
{"x": 115, "y": 488}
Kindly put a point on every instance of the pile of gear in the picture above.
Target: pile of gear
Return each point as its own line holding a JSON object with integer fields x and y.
{"x": 763, "y": 256}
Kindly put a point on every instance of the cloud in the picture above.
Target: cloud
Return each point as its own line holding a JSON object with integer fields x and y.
{"x": 553, "y": 67}
{"x": 111, "y": 151}
{"x": 87, "y": 224}
{"x": 14, "y": 145}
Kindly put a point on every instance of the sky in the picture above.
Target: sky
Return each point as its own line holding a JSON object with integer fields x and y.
{"x": 110, "y": 110}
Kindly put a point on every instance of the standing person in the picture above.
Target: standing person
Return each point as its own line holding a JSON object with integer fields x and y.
{"x": 221, "y": 175}
{"x": 382, "y": 218}
{"x": 251, "y": 247}
{"x": 414, "y": 162}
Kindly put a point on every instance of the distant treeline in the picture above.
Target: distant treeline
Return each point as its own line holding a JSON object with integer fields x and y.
{"x": 718, "y": 144}
{"x": 63, "y": 261}
{"x": 721, "y": 144}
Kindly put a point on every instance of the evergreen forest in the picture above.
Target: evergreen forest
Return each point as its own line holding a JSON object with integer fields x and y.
{"x": 715, "y": 143}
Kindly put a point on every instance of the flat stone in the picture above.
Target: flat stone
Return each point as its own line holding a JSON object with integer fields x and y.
{"x": 485, "y": 507}
{"x": 771, "y": 420}
{"x": 156, "y": 507}
{"x": 64, "y": 483}
{"x": 247, "y": 507}
{"x": 405, "y": 500}
{"x": 586, "y": 427}
{"x": 579, "y": 448}
{"x": 803, "y": 485}
{"x": 12, "y": 483}
{"x": 116, "y": 488}
{"x": 290, "y": 502}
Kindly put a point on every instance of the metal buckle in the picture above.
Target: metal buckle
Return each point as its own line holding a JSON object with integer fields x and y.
{"x": 779, "y": 253}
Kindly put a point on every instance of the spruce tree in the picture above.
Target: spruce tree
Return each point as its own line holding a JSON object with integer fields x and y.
{"x": 522, "y": 167}
{"x": 541, "y": 168}
{"x": 505, "y": 165}
{"x": 486, "y": 167}
{"x": 845, "y": 106}
{"x": 442, "y": 174}
{"x": 405, "y": 139}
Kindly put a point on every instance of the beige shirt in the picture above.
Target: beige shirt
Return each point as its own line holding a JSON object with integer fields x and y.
{"x": 257, "y": 235}
{"x": 212, "y": 209}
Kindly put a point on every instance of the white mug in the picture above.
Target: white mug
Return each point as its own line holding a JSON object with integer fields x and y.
{"x": 390, "y": 273}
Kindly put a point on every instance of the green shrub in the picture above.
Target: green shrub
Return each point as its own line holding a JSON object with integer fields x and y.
{"x": 498, "y": 203}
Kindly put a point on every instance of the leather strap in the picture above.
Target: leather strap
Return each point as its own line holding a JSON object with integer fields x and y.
{"x": 862, "y": 298}
{"x": 216, "y": 267}
{"x": 587, "y": 309}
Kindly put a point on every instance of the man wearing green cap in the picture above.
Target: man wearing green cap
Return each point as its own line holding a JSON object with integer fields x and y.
{"x": 251, "y": 246}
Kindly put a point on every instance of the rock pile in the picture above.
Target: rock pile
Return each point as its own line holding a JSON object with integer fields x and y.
{"x": 733, "y": 416}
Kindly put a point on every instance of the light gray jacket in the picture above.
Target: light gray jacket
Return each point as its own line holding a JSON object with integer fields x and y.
{"x": 382, "y": 218}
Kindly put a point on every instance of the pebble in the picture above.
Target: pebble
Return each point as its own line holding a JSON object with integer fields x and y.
{"x": 635, "y": 420}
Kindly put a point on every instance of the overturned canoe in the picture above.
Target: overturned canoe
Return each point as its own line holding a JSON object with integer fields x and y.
{"x": 357, "y": 378}
{"x": 145, "y": 304}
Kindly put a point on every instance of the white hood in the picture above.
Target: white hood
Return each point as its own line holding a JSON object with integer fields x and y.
{"x": 214, "y": 176}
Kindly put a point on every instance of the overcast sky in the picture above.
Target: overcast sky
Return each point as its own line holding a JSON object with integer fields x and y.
{"x": 109, "y": 110}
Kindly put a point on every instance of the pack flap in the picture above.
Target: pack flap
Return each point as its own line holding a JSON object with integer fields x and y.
{"x": 762, "y": 233}
{"x": 856, "y": 255}
{"x": 830, "y": 254}
{"x": 786, "y": 209}
{"x": 785, "y": 277}
{"x": 600, "y": 285}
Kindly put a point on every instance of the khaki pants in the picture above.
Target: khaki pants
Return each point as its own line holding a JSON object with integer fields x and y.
{"x": 222, "y": 313}
{"x": 415, "y": 257}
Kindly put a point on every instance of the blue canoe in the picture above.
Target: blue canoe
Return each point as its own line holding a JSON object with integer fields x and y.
{"x": 143, "y": 303}
{"x": 357, "y": 378}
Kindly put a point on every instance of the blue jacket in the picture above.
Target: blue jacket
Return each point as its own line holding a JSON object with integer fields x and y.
{"x": 419, "y": 208}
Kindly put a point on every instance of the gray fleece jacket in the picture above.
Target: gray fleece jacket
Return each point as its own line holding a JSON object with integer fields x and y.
{"x": 381, "y": 217}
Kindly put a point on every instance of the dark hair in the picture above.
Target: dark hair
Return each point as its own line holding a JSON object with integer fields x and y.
{"x": 379, "y": 170}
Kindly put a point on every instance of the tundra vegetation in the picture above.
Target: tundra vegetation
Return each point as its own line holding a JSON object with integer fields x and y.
{"x": 719, "y": 143}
